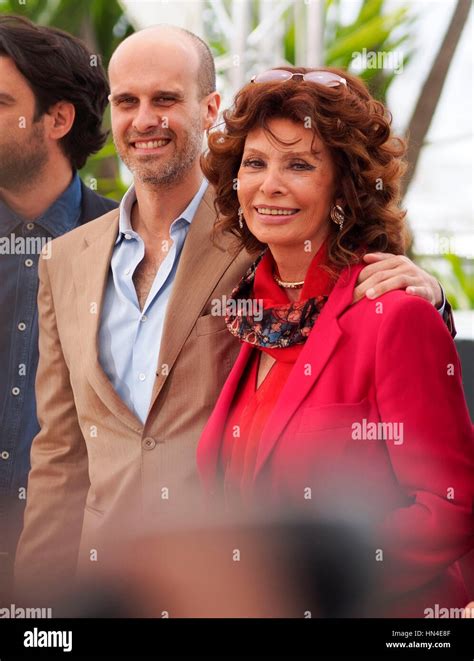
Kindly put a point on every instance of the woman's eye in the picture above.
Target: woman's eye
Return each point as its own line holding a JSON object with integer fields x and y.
{"x": 302, "y": 166}
{"x": 252, "y": 162}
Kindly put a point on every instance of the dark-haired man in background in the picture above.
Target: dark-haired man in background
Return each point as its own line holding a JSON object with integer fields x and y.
{"x": 53, "y": 93}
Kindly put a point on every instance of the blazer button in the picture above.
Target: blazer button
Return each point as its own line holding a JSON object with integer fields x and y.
{"x": 148, "y": 443}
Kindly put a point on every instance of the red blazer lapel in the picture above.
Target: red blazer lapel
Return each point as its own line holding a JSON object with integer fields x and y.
{"x": 319, "y": 346}
{"x": 211, "y": 439}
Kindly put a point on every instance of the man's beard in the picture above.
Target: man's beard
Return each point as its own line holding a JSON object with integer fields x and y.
{"x": 164, "y": 171}
{"x": 22, "y": 163}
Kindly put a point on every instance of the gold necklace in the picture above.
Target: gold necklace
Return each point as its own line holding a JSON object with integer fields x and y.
{"x": 288, "y": 285}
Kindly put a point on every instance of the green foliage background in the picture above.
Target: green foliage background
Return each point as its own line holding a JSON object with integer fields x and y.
{"x": 103, "y": 24}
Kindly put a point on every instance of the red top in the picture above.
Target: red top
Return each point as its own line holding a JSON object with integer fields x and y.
{"x": 248, "y": 414}
{"x": 252, "y": 408}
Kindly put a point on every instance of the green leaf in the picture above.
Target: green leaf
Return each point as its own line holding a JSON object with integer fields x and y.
{"x": 366, "y": 36}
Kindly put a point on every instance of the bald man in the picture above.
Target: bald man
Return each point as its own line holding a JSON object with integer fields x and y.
{"x": 131, "y": 358}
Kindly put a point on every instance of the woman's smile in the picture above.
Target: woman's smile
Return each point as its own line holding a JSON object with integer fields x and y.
{"x": 273, "y": 215}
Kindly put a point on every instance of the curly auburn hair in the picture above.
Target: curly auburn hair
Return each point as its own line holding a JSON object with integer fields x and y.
{"x": 354, "y": 127}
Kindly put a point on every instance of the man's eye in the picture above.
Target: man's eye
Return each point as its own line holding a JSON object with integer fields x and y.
{"x": 165, "y": 100}
{"x": 126, "y": 101}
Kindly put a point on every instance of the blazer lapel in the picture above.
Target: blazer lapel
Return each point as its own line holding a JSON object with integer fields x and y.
{"x": 317, "y": 351}
{"x": 202, "y": 264}
{"x": 211, "y": 439}
{"x": 90, "y": 273}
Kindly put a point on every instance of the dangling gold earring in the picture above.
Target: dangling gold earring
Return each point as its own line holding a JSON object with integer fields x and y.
{"x": 241, "y": 215}
{"x": 337, "y": 215}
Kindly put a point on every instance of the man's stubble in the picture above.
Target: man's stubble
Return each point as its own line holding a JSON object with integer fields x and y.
{"x": 165, "y": 173}
{"x": 22, "y": 163}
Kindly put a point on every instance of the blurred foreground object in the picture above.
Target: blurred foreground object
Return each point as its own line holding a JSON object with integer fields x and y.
{"x": 294, "y": 567}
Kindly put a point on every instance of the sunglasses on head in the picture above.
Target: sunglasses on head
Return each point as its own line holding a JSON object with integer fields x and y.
{"x": 326, "y": 78}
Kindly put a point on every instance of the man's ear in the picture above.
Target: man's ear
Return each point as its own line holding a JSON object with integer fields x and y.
{"x": 59, "y": 120}
{"x": 211, "y": 111}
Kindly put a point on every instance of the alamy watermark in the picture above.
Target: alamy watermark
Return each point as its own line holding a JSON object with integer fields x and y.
{"x": 378, "y": 431}
{"x": 40, "y": 638}
{"x": 443, "y": 612}
{"x": 247, "y": 307}
{"x": 390, "y": 60}
{"x": 26, "y": 245}
{"x": 14, "y": 612}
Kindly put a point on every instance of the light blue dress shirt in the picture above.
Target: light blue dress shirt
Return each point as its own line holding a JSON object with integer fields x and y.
{"x": 130, "y": 338}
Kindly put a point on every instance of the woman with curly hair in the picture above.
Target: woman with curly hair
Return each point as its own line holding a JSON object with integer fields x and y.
{"x": 357, "y": 407}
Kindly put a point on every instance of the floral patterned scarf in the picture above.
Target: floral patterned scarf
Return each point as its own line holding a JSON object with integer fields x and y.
{"x": 278, "y": 323}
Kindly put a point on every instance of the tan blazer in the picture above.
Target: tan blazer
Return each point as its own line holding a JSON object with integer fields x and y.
{"x": 95, "y": 467}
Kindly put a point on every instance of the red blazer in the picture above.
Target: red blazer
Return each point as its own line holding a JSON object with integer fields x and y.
{"x": 390, "y": 360}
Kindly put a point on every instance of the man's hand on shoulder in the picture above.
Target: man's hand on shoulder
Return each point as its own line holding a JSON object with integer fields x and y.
{"x": 385, "y": 272}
